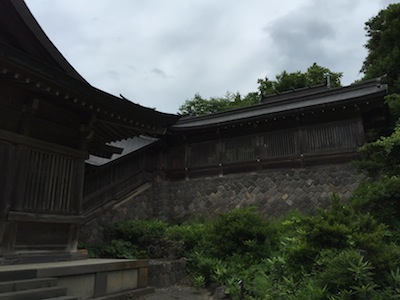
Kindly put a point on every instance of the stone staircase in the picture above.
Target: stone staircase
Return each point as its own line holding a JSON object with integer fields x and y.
{"x": 33, "y": 289}
{"x": 94, "y": 279}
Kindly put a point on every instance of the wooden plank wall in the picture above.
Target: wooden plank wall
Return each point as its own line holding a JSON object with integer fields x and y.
{"x": 117, "y": 179}
{"x": 281, "y": 146}
{"x": 40, "y": 180}
{"x": 40, "y": 195}
{"x": 50, "y": 183}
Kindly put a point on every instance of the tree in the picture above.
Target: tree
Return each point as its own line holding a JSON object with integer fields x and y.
{"x": 383, "y": 32}
{"x": 285, "y": 81}
{"x": 200, "y": 106}
{"x": 318, "y": 75}
{"x": 288, "y": 81}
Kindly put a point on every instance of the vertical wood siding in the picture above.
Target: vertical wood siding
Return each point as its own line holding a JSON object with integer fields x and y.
{"x": 118, "y": 178}
{"x": 317, "y": 139}
{"x": 203, "y": 154}
{"x": 176, "y": 157}
{"x": 279, "y": 144}
{"x": 49, "y": 182}
{"x": 332, "y": 137}
{"x": 118, "y": 171}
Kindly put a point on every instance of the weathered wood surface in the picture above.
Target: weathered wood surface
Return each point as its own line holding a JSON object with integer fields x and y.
{"x": 107, "y": 185}
{"x": 292, "y": 147}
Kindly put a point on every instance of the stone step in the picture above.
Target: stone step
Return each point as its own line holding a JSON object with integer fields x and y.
{"x": 62, "y": 298}
{"x": 129, "y": 294}
{"x": 26, "y": 284}
{"x": 17, "y": 275}
{"x": 34, "y": 294}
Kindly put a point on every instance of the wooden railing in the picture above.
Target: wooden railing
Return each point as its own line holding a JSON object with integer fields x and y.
{"x": 50, "y": 183}
{"x": 289, "y": 147}
{"x": 107, "y": 185}
{"x": 43, "y": 179}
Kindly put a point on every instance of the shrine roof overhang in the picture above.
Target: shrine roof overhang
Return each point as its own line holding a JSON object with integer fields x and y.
{"x": 113, "y": 118}
{"x": 349, "y": 97}
{"x": 20, "y": 29}
{"x": 128, "y": 146}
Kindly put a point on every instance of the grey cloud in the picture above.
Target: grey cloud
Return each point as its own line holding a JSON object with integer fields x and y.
{"x": 385, "y": 3}
{"x": 210, "y": 46}
{"x": 113, "y": 74}
{"x": 131, "y": 67}
{"x": 299, "y": 40}
{"x": 159, "y": 72}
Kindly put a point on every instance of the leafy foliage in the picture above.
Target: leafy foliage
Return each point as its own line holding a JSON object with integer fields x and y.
{"x": 381, "y": 157}
{"x": 383, "y": 46}
{"x": 285, "y": 81}
{"x": 241, "y": 232}
{"x": 339, "y": 253}
{"x": 381, "y": 198}
{"x": 200, "y": 106}
{"x": 393, "y": 101}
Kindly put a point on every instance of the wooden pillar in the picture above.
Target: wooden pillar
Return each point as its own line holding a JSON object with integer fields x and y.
{"x": 187, "y": 161}
{"x": 7, "y": 175}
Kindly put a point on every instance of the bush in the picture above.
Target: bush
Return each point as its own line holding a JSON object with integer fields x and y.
{"x": 381, "y": 198}
{"x": 344, "y": 270}
{"x": 188, "y": 234}
{"x": 381, "y": 157}
{"x": 117, "y": 249}
{"x": 241, "y": 232}
{"x": 139, "y": 232}
{"x": 339, "y": 253}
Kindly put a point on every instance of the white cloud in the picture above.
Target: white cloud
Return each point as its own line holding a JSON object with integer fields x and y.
{"x": 160, "y": 53}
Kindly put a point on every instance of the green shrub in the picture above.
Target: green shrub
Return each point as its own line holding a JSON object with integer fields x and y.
{"x": 139, "y": 232}
{"x": 188, "y": 234}
{"x": 200, "y": 264}
{"x": 117, "y": 249}
{"x": 381, "y": 198}
{"x": 344, "y": 270}
{"x": 243, "y": 232}
{"x": 148, "y": 236}
{"x": 339, "y": 253}
{"x": 381, "y": 157}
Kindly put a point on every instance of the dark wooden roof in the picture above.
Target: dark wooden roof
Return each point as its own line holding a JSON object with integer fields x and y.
{"x": 291, "y": 103}
{"x": 30, "y": 62}
{"x": 20, "y": 30}
{"x": 127, "y": 146}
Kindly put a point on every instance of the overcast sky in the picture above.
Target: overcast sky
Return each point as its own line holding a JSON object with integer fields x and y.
{"x": 160, "y": 53}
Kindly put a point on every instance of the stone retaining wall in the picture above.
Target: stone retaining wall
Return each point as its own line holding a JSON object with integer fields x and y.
{"x": 164, "y": 273}
{"x": 273, "y": 192}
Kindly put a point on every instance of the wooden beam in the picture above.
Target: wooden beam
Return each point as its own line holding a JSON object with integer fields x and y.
{"x": 21, "y": 139}
{"x": 44, "y": 218}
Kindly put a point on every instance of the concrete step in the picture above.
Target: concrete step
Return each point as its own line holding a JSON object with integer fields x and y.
{"x": 26, "y": 284}
{"x": 16, "y": 274}
{"x": 34, "y": 294}
{"x": 129, "y": 294}
{"x": 62, "y": 298}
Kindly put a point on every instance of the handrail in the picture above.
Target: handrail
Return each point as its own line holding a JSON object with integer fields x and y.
{"x": 111, "y": 184}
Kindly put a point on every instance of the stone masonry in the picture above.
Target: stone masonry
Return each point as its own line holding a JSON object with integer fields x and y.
{"x": 274, "y": 193}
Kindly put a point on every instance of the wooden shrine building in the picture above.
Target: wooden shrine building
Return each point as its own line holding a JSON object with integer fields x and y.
{"x": 51, "y": 120}
{"x": 298, "y": 128}
{"x": 291, "y": 151}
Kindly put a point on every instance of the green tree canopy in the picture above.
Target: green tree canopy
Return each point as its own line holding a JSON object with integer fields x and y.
{"x": 200, "y": 106}
{"x": 383, "y": 32}
{"x": 285, "y": 81}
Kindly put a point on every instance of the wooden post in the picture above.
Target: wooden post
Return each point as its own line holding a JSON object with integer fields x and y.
{"x": 187, "y": 161}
